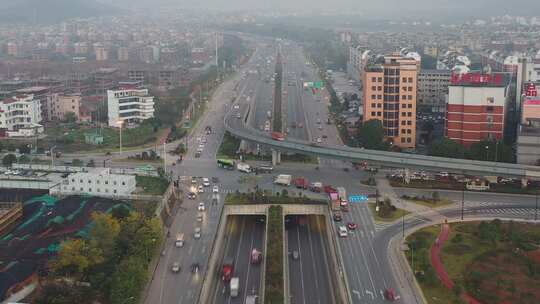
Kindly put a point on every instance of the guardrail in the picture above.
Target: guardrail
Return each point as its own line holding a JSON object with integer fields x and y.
{"x": 393, "y": 159}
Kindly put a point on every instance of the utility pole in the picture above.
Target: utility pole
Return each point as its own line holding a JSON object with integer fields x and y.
{"x": 536, "y": 207}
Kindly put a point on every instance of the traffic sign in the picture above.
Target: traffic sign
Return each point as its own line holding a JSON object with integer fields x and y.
{"x": 316, "y": 84}
{"x": 358, "y": 198}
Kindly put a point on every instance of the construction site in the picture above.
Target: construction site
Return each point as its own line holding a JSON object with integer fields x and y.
{"x": 32, "y": 226}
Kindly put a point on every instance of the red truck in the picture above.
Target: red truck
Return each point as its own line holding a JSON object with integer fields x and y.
{"x": 301, "y": 183}
{"x": 329, "y": 189}
{"x": 278, "y": 136}
{"x": 227, "y": 271}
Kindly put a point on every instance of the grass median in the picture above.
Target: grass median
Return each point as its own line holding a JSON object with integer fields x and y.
{"x": 274, "y": 260}
{"x": 390, "y": 216}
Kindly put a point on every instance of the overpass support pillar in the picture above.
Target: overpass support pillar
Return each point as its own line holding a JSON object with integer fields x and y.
{"x": 276, "y": 157}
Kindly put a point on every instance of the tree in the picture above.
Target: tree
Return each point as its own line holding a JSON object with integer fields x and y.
{"x": 70, "y": 117}
{"x": 120, "y": 212}
{"x": 127, "y": 280}
{"x": 103, "y": 233}
{"x": 446, "y": 147}
{"x": 24, "y": 159}
{"x": 9, "y": 160}
{"x": 371, "y": 135}
{"x": 75, "y": 257}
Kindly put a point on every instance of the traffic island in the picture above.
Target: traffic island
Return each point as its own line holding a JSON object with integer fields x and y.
{"x": 384, "y": 211}
{"x": 435, "y": 201}
{"x": 481, "y": 262}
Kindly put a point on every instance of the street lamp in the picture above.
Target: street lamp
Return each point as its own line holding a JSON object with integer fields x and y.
{"x": 120, "y": 123}
{"x": 52, "y": 156}
{"x": 487, "y": 152}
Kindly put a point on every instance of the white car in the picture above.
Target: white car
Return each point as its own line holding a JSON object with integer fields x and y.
{"x": 319, "y": 140}
{"x": 215, "y": 189}
{"x": 201, "y": 207}
{"x": 236, "y": 107}
{"x": 342, "y": 231}
{"x": 175, "y": 267}
{"x": 197, "y": 234}
{"x": 201, "y": 146}
{"x": 206, "y": 182}
{"x": 200, "y": 189}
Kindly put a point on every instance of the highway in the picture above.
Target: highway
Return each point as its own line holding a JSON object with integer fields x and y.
{"x": 309, "y": 274}
{"x": 243, "y": 234}
{"x": 184, "y": 287}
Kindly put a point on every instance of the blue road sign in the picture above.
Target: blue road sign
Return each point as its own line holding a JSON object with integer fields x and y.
{"x": 358, "y": 198}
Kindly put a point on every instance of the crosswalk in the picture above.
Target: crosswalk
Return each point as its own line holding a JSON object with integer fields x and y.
{"x": 506, "y": 211}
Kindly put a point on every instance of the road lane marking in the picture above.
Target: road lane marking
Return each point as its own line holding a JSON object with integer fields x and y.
{"x": 313, "y": 256}
{"x": 301, "y": 268}
{"x": 371, "y": 294}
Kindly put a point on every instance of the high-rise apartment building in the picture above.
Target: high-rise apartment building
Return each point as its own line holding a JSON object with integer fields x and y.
{"x": 129, "y": 104}
{"x": 476, "y": 108}
{"x": 390, "y": 96}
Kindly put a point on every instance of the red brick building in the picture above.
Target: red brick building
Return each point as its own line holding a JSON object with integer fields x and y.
{"x": 476, "y": 108}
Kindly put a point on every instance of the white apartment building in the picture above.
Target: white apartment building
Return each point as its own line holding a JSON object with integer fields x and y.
{"x": 129, "y": 105}
{"x": 432, "y": 89}
{"x": 20, "y": 116}
{"x": 99, "y": 182}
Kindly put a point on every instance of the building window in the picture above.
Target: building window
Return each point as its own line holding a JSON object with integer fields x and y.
{"x": 409, "y": 123}
{"x": 489, "y": 109}
{"x": 379, "y": 88}
{"x": 373, "y": 96}
{"x": 409, "y": 114}
{"x": 373, "y": 88}
{"x": 114, "y": 191}
{"x": 106, "y": 182}
{"x": 372, "y": 113}
{"x": 98, "y": 190}
{"x": 378, "y": 113}
{"x": 410, "y": 106}
{"x": 373, "y": 79}
{"x": 379, "y": 97}
{"x": 409, "y": 89}
{"x": 89, "y": 181}
{"x": 402, "y": 131}
{"x": 114, "y": 183}
{"x": 409, "y": 97}
{"x": 491, "y": 99}
{"x": 81, "y": 189}
{"x": 379, "y": 79}
{"x": 409, "y": 131}
{"x": 403, "y": 122}
{"x": 402, "y": 140}
{"x": 373, "y": 105}
{"x": 72, "y": 188}
{"x": 123, "y": 183}
{"x": 410, "y": 79}
{"x": 409, "y": 140}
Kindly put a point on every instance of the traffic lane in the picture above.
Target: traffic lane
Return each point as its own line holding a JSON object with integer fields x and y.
{"x": 309, "y": 275}
{"x": 239, "y": 248}
{"x": 235, "y": 226}
{"x": 470, "y": 197}
{"x": 366, "y": 282}
{"x": 297, "y": 289}
{"x": 319, "y": 247}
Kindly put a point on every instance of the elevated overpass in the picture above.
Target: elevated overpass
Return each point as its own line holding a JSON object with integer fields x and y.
{"x": 240, "y": 129}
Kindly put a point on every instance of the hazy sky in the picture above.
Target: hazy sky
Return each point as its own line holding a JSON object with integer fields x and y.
{"x": 431, "y": 8}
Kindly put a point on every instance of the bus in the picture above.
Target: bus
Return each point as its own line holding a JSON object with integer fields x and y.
{"x": 226, "y": 164}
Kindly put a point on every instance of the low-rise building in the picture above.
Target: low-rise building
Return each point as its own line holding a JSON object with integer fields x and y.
{"x": 60, "y": 105}
{"x": 20, "y": 116}
{"x": 528, "y": 141}
{"x": 129, "y": 104}
{"x": 99, "y": 182}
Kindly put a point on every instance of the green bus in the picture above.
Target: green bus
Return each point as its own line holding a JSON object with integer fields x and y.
{"x": 226, "y": 164}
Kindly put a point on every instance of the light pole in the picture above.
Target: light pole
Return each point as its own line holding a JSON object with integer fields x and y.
{"x": 536, "y": 206}
{"x": 487, "y": 153}
{"x": 120, "y": 123}
{"x": 52, "y": 156}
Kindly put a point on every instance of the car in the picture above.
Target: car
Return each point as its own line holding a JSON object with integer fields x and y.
{"x": 319, "y": 140}
{"x": 200, "y": 189}
{"x": 201, "y": 146}
{"x": 193, "y": 180}
{"x": 324, "y": 136}
{"x": 352, "y": 226}
{"x": 199, "y": 218}
{"x": 236, "y": 107}
{"x": 337, "y": 217}
{"x": 295, "y": 255}
{"x": 201, "y": 207}
{"x": 206, "y": 182}
{"x": 203, "y": 140}
{"x": 191, "y": 195}
{"x": 195, "y": 268}
{"x": 342, "y": 231}
{"x": 175, "y": 267}
{"x": 238, "y": 116}
{"x": 319, "y": 127}
{"x": 197, "y": 234}
{"x": 215, "y": 189}
{"x": 198, "y": 154}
